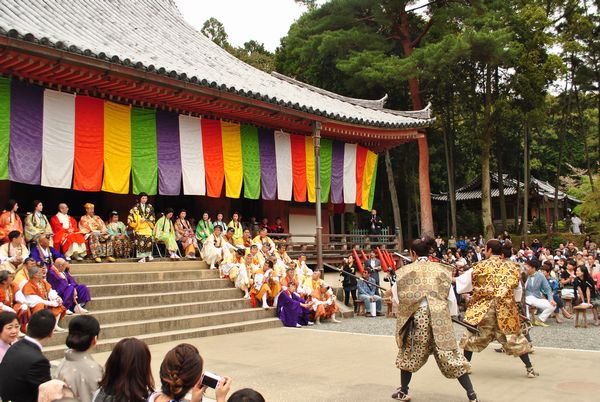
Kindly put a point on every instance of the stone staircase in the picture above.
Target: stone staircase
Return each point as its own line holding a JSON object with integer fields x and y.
{"x": 161, "y": 301}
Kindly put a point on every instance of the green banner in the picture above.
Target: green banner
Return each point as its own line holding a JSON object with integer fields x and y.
{"x": 251, "y": 160}
{"x": 372, "y": 191}
{"x": 4, "y": 126}
{"x": 326, "y": 158}
{"x": 144, "y": 159}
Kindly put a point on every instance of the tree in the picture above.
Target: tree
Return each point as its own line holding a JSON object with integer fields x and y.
{"x": 214, "y": 30}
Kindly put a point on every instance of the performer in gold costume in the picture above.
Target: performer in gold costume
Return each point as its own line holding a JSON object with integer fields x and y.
{"x": 493, "y": 307}
{"x": 424, "y": 324}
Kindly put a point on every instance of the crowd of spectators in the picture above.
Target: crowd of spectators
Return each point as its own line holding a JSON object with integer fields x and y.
{"x": 26, "y": 375}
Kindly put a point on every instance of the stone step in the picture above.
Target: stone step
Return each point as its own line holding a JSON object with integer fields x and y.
{"x": 160, "y": 286}
{"x": 156, "y": 265}
{"x": 105, "y": 345}
{"x": 160, "y": 298}
{"x": 124, "y": 314}
{"x": 145, "y": 276}
{"x": 173, "y": 323}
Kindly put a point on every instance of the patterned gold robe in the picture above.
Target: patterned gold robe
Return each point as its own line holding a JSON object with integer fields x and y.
{"x": 426, "y": 280}
{"x": 495, "y": 279}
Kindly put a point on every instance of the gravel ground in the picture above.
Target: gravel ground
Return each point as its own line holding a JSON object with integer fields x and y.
{"x": 563, "y": 336}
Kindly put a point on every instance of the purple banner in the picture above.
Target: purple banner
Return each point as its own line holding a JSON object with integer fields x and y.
{"x": 26, "y": 133}
{"x": 169, "y": 157}
{"x": 337, "y": 172}
{"x": 268, "y": 164}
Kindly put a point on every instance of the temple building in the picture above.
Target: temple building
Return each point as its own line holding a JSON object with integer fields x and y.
{"x": 101, "y": 100}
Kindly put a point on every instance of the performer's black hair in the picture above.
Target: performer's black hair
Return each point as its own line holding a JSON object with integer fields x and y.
{"x": 422, "y": 247}
{"x": 507, "y": 250}
{"x": 495, "y": 245}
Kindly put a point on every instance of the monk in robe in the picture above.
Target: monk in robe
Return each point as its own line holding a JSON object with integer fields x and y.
{"x": 324, "y": 304}
{"x": 204, "y": 228}
{"x": 185, "y": 235}
{"x": 22, "y": 275}
{"x": 122, "y": 244}
{"x": 282, "y": 255}
{"x": 37, "y": 224}
{"x": 263, "y": 240}
{"x": 10, "y": 220}
{"x": 95, "y": 232}
{"x": 67, "y": 238}
{"x": 164, "y": 232}
{"x": 43, "y": 254}
{"x": 40, "y": 295}
{"x": 243, "y": 278}
{"x": 141, "y": 220}
{"x": 13, "y": 253}
{"x": 245, "y": 240}
{"x": 238, "y": 230}
{"x": 257, "y": 256}
{"x": 74, "y": 295}
{"x": 213, "y": 251}
{"x": 232, "y": 264}
{"x": 292, "y": 310}
{"x": 11, "y": 299}
{"x": 261, "y": 289}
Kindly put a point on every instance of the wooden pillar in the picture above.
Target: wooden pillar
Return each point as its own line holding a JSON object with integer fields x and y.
{"x": 424, "y": 188}
{"x": 316, "y": 132}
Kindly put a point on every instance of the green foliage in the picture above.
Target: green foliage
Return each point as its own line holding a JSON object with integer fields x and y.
{"x": 214, "y": 30}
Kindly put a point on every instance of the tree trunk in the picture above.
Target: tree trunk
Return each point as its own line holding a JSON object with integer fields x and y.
{"x": 518, "y": 205}
{"x": 486, "y": 199}
{"x": 501, "y": 197}
{"x": 583, "y": 131}
{"x": 563, "y": 134}
{"x": 394, "y": 198}
{"x": 403, "y": 29}
{"x": 525, "y": 221}
{"x": 448, "y": 145}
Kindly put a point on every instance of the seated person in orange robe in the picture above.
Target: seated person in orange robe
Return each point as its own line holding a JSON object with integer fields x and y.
{"x": 68, "y": 240}
{"x": 11, "y": 299}
{"x": 40, "y": 295}
{"x": 324, "y": 303}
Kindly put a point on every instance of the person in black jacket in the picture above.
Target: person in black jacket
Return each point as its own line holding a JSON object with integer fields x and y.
{"x": 24, "y": 366}
{"x": 349, "y": 283}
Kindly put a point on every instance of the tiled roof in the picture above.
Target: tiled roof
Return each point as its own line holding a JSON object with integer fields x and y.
{"x": 151, "y": 35}
{"x": 472, "y": 190}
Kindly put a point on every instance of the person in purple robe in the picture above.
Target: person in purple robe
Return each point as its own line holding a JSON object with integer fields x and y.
{"x": 74, "y": 295}
{"x": 44, "y": 254}
{"x": 293, "y": 310}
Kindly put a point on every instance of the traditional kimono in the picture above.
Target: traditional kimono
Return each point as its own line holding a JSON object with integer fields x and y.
{"x": 203, "y": 230}
{"x": 289, "y": 310}
{"x": 164, "y": 231}
{"x": 81, "y": 373}
{"x": 95, "y": 232}
{"x": 40, "y": 295}
{"x": 495, "y": 311}
{"x": 185, "y": 235}
{"x": 212, "y": 251}
{"x": 231, "y": 266}
{"x": 67, "y": 288}
{"x": 323, "y": 303}
{"x": 12, "y": 299}
{"x": 45, "y": 256}
{"x": 36, "y": 225}
{"x": 65, "y": 242}
{"x": 9, "y": 221}
{"x": 141, "y": 220}
{"x": 122, "y": 245}
{"x": 244, "y": 242}
{"x": 238, "y": 229}
{"x": 8, "y": 252}
{"x": 425, "y": 298}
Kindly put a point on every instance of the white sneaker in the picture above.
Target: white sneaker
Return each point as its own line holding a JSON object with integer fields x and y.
{"x": 59, "y": 329}
{"x": 191, "y": 257}
{"x": 310, "y": 323}
{"x": 69, "y": 312}
{"x": 68, "y": 258}
{"x": 246, "y": 296}
{"x": 142, "y": 260}
{"x": 150, "y": 258}
{"x": 298, "y": 326}
{"x": 176, "y": 256}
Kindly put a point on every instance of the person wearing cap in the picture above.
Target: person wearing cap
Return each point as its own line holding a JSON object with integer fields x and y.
{"x": 96, "y": 234}
{"x": 164, "y": 231}
{"x": 117, "y": 230}
{"x": 67, "y": 238}
{"x": 212, "y": 251}
{"x": 538, "y": 292}
{"x": 40, "y": 295}
{"x": 185, "y": 235}
{"x": 141, "y": 220}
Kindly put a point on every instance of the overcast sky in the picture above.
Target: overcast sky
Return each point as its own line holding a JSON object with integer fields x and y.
{"x": 266, "y": 21}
